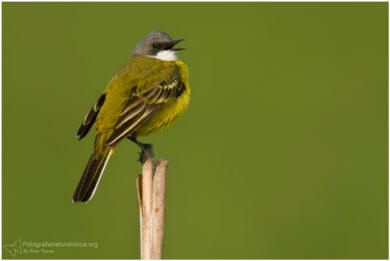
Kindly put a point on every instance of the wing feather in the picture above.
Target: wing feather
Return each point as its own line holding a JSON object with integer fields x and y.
{"x": 90, "y": 117}
{"x": 131, "y": 124}
{"x": 144, "y": 102}
{"x": 131, "y": 113}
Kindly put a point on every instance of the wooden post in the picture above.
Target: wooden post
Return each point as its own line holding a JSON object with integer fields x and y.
{"x": 151, "y": 199}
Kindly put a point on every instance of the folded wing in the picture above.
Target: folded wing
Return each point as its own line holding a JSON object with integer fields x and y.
{"x": 144, "y": 104}
{"x": 90, "y": 118}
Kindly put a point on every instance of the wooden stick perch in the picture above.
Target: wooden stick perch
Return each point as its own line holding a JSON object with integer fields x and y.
{"x": 151, "y": 199}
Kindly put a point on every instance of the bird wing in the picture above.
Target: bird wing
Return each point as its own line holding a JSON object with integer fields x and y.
{"x": 90, "y": 117}
{"x": 144, "y": 102}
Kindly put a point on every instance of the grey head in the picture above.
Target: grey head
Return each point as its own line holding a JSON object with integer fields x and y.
{"x": 159, "y": 45}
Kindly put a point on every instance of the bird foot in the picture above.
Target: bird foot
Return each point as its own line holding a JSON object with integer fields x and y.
{"x": 146, "y": 149}
{"x": 146, "y": 153}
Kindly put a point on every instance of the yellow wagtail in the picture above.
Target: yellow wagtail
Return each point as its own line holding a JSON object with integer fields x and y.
{"x": 147, "y": 94}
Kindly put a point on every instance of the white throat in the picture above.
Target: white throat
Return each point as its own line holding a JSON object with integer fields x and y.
{"x": 166, "y": 55}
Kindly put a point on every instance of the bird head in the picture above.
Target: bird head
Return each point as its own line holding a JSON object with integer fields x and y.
{"x": 158, "y": 45}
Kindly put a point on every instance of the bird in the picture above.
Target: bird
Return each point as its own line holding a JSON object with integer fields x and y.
{"x": 146, "y": 95}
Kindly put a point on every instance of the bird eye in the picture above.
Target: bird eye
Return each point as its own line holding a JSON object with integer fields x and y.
{"x": 155, "y": 45}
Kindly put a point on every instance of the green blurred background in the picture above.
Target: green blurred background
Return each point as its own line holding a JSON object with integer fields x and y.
{"x": 281, "y": 154}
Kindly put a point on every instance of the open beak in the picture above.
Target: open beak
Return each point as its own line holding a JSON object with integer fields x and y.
{"x": 172, "y": 44}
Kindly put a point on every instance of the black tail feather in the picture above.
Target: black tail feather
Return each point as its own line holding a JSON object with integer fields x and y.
{"x": 91, "y": 176}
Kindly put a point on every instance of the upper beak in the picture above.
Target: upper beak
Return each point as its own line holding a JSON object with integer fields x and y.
{"x": 172, "y": 44}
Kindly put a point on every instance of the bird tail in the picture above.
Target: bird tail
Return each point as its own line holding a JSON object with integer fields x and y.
{"x": 91, "y": 175}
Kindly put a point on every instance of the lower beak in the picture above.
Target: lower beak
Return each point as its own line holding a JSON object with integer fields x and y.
{"x": 172, "y": 44}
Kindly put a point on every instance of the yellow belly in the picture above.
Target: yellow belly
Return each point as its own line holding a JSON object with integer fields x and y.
{"x": 168, "y": 113}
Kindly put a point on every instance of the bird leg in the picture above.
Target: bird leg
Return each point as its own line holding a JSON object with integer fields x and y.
{"x": 146, "y": 149}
